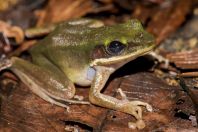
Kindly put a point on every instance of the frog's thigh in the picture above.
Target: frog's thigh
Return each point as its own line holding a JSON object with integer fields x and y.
{"x": 48, "y": 85}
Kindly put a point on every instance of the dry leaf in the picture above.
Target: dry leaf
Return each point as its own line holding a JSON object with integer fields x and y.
{"x": 5, "y": 4}
{"x": 164, "y": 19}
{"x": 22, "y": 110}
{"x": 167, "y": 20}
{"x": 12, "y": 31}
{"x": 185, "y": 59}
{"x": 59, "y": 10}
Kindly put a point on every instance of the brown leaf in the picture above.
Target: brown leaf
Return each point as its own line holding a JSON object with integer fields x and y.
{"x": 6, "y": 4}
{"x": 23, "y": 47}
{"x": 5, "y": 46}
{"x": 164, "y": 19}
{"x": 12, "y": 31}
{"x": 22, "y": 110}
{"x": 156, "y": 1}
{"x": 60, "y": 10}
{"x": 22, "y": 14}
{"x": 167, "y": 20}
{"x": 106, "y": 1}
{"x": 185, "y": 59}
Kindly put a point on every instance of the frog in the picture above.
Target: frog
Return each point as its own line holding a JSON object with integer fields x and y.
{"x": 84, "y": 52}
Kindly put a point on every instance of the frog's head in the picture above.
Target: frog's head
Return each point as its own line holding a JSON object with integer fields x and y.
{"x": 119, "y": 44}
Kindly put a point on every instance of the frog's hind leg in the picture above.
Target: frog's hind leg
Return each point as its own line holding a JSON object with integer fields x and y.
{"x": 52, "y": 86}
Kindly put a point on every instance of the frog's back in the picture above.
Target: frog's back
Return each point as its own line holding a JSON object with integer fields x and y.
{"x": 68, "y": 47}
{"x": 67, "y": 34}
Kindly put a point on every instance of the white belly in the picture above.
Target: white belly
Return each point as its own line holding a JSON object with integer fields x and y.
{"x": 85, "y": 77}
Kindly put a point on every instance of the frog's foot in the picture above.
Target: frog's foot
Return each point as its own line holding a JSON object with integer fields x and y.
{"x": 139, "y": 124}
{"x": 5, "y": 63}
{"x": 160, "y": 59}
{"x": 124, "y": 97}
{"x": 122, "y": 94}
{"x": 133, "y": 108}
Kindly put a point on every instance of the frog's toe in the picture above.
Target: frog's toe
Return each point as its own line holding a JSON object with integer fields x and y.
{"x": 139, "y": 124}
{"x": 5, "y": 63}
{"x": 132, "y": 125}
{"x": 138, "y": 111}
{"x": 149, "y": 108}
{"x": 122, "y": 94}
{"x": 134, "y": 108}
{"x": 140, "y": 103}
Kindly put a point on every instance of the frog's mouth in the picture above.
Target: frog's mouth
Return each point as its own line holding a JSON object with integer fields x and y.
{"x": 122, "y": 59}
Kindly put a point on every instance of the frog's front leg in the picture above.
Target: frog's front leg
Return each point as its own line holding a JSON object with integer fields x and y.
{"x": 124, "y": 105}
{"x": 52, "y": 86}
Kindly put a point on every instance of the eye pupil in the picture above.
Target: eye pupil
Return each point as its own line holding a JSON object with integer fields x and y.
{"x": 115, "y": 47}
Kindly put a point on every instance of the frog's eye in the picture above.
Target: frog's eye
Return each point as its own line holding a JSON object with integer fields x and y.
{"x": 115, "y": 47}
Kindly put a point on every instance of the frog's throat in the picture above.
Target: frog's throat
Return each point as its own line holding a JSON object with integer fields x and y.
{"x": 116, "y": 59}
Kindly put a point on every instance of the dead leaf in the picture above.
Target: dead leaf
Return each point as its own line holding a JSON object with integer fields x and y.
{"x": 164, "y": 19}
{"x": 60, "y": 10}
{"x": 5, "y": 46}
{"x": 22, "y": 110}
{"x": 12, "y": 31}
{"x": 6, "y": 4}
{"x": 23, "y": 47}
{"x": 185, "y": 59}
{"x": 167, "y": 21}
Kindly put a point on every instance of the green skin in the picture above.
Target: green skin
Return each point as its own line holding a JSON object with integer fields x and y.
{"x": 76, "y": 53}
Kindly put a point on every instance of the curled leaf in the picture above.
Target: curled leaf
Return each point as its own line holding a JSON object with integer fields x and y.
{"x": 12, "y": 31}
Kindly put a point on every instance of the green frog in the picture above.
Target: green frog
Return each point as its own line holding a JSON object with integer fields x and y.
{"x": 84, "y": 52}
